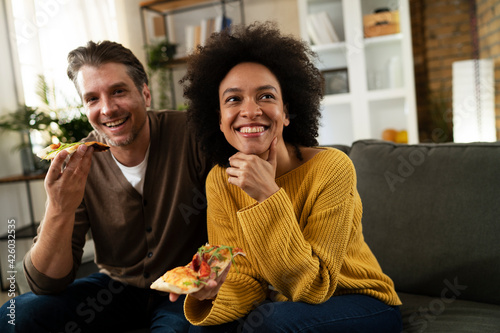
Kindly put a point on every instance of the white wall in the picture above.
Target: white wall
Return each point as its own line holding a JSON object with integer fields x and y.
{"x": 129, "y": 27}
{"x": 284, "y": 12}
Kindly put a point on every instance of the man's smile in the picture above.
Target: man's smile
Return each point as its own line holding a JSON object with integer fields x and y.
{"x": 115, "y": 123}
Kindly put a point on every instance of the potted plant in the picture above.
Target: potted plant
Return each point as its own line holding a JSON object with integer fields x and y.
{"x": 25, "y": 120}
{"x": 160, "y": 56}
{"x": 70, "y": 123}
{"x": 48, "y": 123}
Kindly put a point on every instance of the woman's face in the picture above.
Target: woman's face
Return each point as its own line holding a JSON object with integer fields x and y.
{"x": 252, "y": 113}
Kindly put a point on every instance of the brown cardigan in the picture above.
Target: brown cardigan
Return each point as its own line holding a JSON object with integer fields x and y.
{"x": 137, "y": 238}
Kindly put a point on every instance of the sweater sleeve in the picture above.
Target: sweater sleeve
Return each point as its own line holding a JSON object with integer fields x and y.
{"x": 301, "y": 255}
{"x": 239, "y": 294}
{"x": 42, "y": 284}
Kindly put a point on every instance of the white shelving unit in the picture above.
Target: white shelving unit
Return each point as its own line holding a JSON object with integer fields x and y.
{"x": 372, "y": 104}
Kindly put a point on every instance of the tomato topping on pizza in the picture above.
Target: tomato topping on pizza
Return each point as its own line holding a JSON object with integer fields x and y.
{"x": 207, "y": 263}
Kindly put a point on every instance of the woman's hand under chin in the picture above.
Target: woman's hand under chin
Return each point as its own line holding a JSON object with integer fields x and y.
{"x": 253, "y": 174}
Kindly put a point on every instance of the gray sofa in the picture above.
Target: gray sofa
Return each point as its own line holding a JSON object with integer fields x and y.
{"x": 431, "y": 215}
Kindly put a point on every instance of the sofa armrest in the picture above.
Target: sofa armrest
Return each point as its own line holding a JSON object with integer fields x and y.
{"x": 431, "y": 215}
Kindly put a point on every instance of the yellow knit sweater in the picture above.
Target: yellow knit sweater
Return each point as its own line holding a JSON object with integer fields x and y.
{"x": 305, "y": 240}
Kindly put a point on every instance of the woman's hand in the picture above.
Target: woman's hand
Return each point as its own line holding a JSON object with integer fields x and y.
{"x": 253, "y": 174}
{"x": 209, "y": 291}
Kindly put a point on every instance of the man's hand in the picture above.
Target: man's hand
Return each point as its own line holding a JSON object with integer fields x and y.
{"x": 51, "y": 254}
{"x": 65, "y": 188}
{"x": 253, "y": 174}
{"x": 209, "y": 291}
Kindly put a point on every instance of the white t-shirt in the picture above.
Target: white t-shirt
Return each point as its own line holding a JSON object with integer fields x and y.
{"x": 136, "y": 174}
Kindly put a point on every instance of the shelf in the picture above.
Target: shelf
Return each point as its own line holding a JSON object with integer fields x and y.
{"x": 175, "y": 6}
{"x": 179, "y": 62}
{"x": 340, "y": 46}
{"x": 337, "y": 99}
{"x": 386, "y": 114}
{"x": 165, "y": 6}
{"x": 334, "y": 125}
{"x": 386, "y": 94}
{"x": 322, "y": 2}
{"x": 22, "y": 178}
{"x": 380, "y": 72}
{"x": 373, "y": 41}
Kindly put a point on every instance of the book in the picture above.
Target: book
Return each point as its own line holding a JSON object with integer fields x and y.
{"x": 320, "y": 29}
{"x": 226, "y": 22}
{"x": 312, "y": 33}
{"x": 218, "y": 24}
{"x": 313, "y": 37}
{"x": 328, "y": 25}
{"x": 170, "y": 29}
{"x": 158, "y": 26}
{"x": 190, "y": 32}
{"x": 211, "y": 27}
{"x": 204, "y": 33}
{"x": 198, "y": 34}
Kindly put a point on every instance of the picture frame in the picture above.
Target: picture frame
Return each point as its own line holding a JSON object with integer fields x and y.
{"x": 336, "y": 81}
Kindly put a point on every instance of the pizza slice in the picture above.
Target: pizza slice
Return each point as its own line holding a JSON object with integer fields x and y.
{"x": 207, "y": 263}
{"x": 51, "y": 151}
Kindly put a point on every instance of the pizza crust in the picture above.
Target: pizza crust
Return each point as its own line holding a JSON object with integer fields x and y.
{"x": 161, "y": 285}
{"x": 181, "y": 281}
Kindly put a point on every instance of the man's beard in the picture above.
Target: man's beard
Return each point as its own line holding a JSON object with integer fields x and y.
{"x": 122, "y": 143}
{"x": 131, "y": 138}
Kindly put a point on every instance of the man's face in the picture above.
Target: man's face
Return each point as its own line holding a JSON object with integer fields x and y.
{"x": 114, "y": 106}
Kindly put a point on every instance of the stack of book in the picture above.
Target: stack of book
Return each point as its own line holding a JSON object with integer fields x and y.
{"x": 320, "y": 29}
{"x": 198, "y": 34}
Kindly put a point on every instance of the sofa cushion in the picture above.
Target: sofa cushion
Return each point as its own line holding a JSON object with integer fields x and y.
{"x": 431, "y": 215}
{"x": 342, "y": 148}
{"x": 434, "y": 314}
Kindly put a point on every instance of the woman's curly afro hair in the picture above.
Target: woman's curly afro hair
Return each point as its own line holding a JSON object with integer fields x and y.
{"x": 289, "y": 59}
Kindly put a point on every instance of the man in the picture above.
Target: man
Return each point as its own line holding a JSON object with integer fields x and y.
{"x": 143, "y": 201}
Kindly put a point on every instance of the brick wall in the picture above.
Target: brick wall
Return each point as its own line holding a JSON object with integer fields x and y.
{"x": 441, "y": 32}
{"x": 445, "y": 38}
{"x": 420, "y": 66}
{"x": 488, "y": 14}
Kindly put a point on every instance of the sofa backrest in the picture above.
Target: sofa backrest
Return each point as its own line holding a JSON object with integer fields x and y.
{"x": 431, "y": 215}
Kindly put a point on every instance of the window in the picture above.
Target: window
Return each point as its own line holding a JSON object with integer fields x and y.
{"x": 46, "y": 30}
{"x": 43, "y": 32}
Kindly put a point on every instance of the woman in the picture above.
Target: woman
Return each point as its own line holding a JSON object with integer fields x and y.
{"x": 254, "y": 99}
